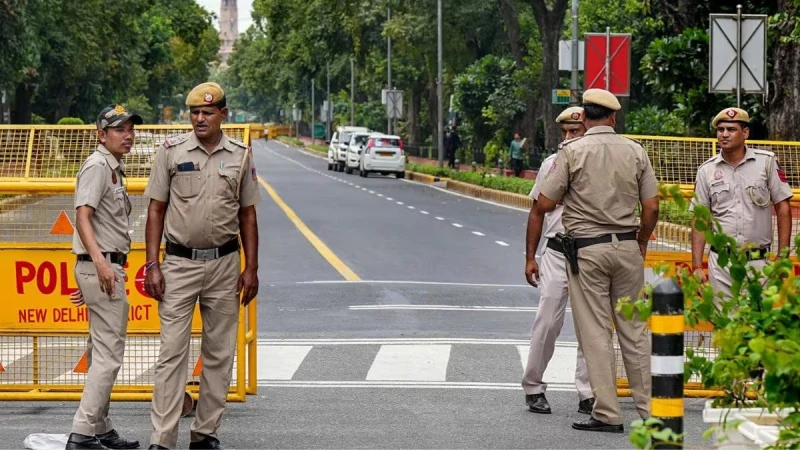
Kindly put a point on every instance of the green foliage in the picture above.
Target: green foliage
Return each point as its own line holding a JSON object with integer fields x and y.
{"x": 652, "y": 121}
{"x": 38, "y": 120}
{"x": 756, "y": 331}
{"x": 318, "y": 148}
{"x": 491, "y": 181}
{"x": 651, "y": 432}
{"x": 70, "y": 121}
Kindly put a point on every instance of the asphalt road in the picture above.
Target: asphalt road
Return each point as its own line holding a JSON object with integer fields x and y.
{"x": 391, "y": 315}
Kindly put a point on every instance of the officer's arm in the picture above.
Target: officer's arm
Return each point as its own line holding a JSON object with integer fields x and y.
{"x": 698, "y": 238}
{"x": 91, "y": 186}
{"x": 154, "y": 228}
{"x": 784, "y": 213}
{"x": 649, "y": 219}
{"x": 555, "y": 183}
{"x": 248, "y": 225}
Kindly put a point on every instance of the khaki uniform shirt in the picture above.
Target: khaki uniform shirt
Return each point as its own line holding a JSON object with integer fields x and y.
{"x": 552, "y": 220}
{"x": 741, "y": 197}
{"x": 202, "y": 190}
{"x": 100, "y": 186}
{"x": 601, "y": 177}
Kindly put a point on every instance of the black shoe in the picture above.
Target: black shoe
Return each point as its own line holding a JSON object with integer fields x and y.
{"x": 537, "y": 403}
{"x": 592, "y": 424}
{"x": 79, "y": 441}
{"x": 586, "y": 406}
{"x": 207, "y": 442}
{"x": 112, "y": 440}
{"x": 156, "y": 447}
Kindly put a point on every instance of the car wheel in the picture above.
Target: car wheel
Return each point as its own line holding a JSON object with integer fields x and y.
{"x": 384, "y": 173}
{"x": 330, "y": 166}
{"x": 348, "y": 170}
{"x": 340, "y": 167}
{"x": 400, "y": 175}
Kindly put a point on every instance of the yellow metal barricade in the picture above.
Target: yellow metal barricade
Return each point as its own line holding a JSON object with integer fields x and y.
{"x": 42, "y": 335}
{"x": 274, "y": 130}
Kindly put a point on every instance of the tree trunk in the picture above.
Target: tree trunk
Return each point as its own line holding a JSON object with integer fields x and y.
{"x": 21, "y": 113}
{"x": 526, "y": 123}
{"x": 550, "y": 23}
{"x": 412, "y": 124}
{"x": 783, "y": 121}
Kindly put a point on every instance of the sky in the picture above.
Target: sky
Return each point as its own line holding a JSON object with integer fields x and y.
{"x": 245, "y": 8}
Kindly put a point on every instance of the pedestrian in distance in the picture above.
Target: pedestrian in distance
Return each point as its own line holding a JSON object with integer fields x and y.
{"x": 452, "y": 144}
{"x": 553, "y": 297}
{"x": 602, "y": 178}
{"x": 102, "y": 243}
{"x": 202, "y": 191}
{"x": 515, "y": 152}
{"x": 738, "y": 185}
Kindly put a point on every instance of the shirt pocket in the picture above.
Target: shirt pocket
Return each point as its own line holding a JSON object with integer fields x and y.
{"x": 721, "y": 195}
{"x": 758, "y": 192}
{"x": 186, "y": 184}
{"x": 228, "y": 183}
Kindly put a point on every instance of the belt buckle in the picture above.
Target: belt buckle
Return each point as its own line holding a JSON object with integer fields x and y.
{"x": 207, "y": 254}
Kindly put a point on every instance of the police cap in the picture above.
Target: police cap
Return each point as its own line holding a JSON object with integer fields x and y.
{"x": 731, "y": 115}
{"x": 573, "y": 114}
{"x": 116, "y": 115}
{"x": 601, "y": 97}
{"x": 205, "y": 94}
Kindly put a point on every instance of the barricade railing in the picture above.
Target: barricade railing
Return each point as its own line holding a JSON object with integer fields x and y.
{"x": 42, "y": 335}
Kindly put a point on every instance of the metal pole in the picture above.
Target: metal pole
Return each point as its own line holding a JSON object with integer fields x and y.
{"x": 608, "y": 58}
{"x": 313, "y": 111}
{"x": 389, "y": 68}
{"x": 574, "y": 81}
{"x": 352, "y": 89}
{"x": 738, "y": 56}
{"x": 330, "y": 108}
{"x": 439, "y": 87}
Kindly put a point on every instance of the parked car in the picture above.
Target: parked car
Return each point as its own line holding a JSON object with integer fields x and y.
{"x": 333, "y": 147}
{"x": 383, "y": 154}
{"x": 344, "y": 135}
{"x": 358, "y": 141}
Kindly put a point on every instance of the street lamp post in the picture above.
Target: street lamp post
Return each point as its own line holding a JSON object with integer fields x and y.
{"x": 439, "y": 87}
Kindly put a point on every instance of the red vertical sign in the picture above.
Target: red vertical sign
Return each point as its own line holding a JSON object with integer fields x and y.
{"x": 619, "y": 48}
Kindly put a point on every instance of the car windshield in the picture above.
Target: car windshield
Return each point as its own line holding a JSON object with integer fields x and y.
{"x": 360, "y": 139}
{"x": 385, "y": 142}
{"x": 344, "y": 137}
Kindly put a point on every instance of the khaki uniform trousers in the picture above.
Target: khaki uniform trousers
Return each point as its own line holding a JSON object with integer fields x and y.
{"x": 720, "y": 277}
{"x": 215, "y": 283}
{"x": 108, "y": 323}
{"x": 607, "y": 273}
{"x": 547, "y": 326}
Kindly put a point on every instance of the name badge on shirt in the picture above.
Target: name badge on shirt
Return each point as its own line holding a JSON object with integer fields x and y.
{"x": 186, "y": 167}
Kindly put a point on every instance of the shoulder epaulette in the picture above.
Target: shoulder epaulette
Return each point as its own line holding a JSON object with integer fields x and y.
{"x": 176, "y": 140}
{"x": 713, "y": 158}
{"x": 763, "y": 152}
{"x": 237, "y": 142}
{"x": 633, "y": 140}
{"x": 568, "y": 141}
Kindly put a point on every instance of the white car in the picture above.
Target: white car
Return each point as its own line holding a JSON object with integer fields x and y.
{"x": 345, "y": 133}
{"x": 358, "y": 142}
{"x": 383, "y": 154}
{"x": 332, "y": 149}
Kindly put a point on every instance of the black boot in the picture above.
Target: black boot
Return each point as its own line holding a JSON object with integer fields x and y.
{"x": 592, "y": 424}
{"x": 79, "y": 441}
{"x": 207, "y": 442}
{"x": 537, "y": 403}
{"x": 586, "y": 406}
{"x": 112, "y": 440}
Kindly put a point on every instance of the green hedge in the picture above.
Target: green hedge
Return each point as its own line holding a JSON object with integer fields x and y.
{"x": 318, "y": 148}
{"x": 501, "y": 183}
{"x": 291, "y": 141}
{"x": 70, "y": 121}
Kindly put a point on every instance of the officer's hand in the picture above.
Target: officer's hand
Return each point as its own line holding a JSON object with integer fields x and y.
{"x": 76, "y": 298}
{"x": 248, "y": 285}
{"x": 700, "y": 273}
{"x": 107, "y": 277}
{"x": 154, "y": 283}
{"x": 643, "y": 249}
{"x": 532, "y": 272}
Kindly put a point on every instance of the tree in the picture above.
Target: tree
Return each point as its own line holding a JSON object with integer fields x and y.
{"x": 784, "y": 104}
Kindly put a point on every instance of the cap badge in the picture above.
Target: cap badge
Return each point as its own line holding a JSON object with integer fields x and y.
{"x": 576, "y": 116}
{"x": 208, "y": 98}
{"x": 731, "y": 113}
{"x": 718, "y": 175}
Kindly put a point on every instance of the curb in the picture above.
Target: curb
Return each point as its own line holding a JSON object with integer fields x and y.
{"x": 424, "y": 178}
{"x": 505, "y": 198}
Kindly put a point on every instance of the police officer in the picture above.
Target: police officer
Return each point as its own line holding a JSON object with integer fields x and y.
{"x": 602, "y": 177}
{"x": 553, "y": 292}
{"x": 739, "y": 185}
{"x": 203, "y": 191}
{"x": 101, "y": 244}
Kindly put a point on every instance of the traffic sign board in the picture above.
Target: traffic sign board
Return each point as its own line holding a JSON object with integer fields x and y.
{"x": 561, "y": 96}
{"x": 738, "y": 41}
{"x": 394, "y": 104}
{"x": 616, "y": 75}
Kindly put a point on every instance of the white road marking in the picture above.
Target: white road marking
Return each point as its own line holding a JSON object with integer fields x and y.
{"x": 424, "y": 212}
{"x": 280, "y": 362}
{"x": 380, "y": 195}
{"x": 458, "y": 225}
{"x": 411, "y": 207}
{"x": 400, "y": 203}
{"x": 501, "y": 243}
{"x": 553, "y": 387}
{"x": 406, "y": 307}
{"x": 410, "y": 363}
{"x": 561, "y": 367}
{"x": 371, "y": 192}
{"x": 439, "y": 218}
{"x": 406, "y": 341}
{"x": 389, "y": 198}
{"x": 478, "y": 233}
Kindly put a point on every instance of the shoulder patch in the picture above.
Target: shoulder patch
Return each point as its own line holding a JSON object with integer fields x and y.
{"x": 176, "y": 140}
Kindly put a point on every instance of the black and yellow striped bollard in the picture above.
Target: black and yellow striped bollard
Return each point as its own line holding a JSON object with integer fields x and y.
{"x": 666, "y": 367}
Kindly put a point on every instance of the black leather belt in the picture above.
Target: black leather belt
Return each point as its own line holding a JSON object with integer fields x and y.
{"x": 553, "y": 245}
{"x": 203, "y": 254}
{"x": 752, "y": 255}
{"x": 115, "y": 258}
{"x": 605, "y": 239}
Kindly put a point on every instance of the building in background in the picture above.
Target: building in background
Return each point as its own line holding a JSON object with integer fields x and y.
{"x": 228, "y": 28}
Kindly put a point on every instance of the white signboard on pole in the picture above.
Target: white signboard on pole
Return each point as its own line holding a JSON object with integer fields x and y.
{"x": 738, "y": 56}
{"x": 394, "y": 104}
{"x": 565, "y": 55}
